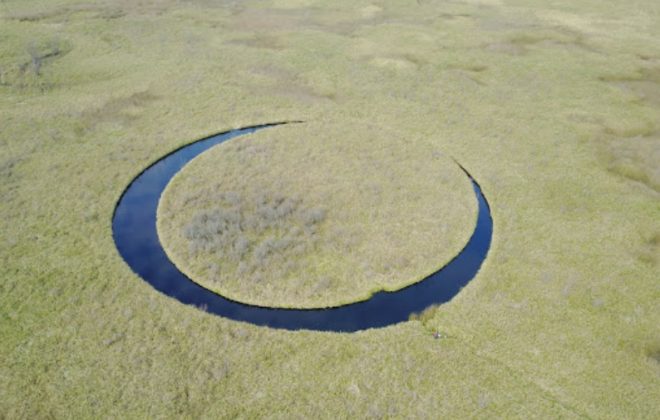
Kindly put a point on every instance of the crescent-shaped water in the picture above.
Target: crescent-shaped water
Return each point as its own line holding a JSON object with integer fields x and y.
{"x": 136, "y": 238}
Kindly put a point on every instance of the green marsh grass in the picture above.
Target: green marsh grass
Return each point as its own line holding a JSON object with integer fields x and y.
{"x": 562, "y": 319}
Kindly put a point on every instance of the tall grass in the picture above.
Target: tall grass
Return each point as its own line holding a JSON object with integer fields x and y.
{"x": 253, "y": 230}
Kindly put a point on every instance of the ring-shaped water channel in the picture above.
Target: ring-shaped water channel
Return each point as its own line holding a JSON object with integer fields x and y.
{"x": 136, "y": 238}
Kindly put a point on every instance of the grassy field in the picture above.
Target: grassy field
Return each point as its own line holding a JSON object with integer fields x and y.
{"x": 314, "y": 215}
{"x": 553, "y": 106}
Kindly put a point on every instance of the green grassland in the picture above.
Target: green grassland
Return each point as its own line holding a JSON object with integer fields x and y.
{"x": 316, "y": 215}
{"x": 554, "y": 106}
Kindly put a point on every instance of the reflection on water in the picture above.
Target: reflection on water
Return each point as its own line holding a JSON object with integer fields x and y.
{"x": 136, "y": 237}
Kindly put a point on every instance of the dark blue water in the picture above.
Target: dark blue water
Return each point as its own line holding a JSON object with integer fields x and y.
{"x": 136, "y": 237}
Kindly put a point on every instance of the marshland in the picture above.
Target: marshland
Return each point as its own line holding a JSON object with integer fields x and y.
{"x": 552, "y": 106}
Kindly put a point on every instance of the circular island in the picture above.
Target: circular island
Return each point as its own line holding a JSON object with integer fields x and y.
{"x": 315, "y": 215}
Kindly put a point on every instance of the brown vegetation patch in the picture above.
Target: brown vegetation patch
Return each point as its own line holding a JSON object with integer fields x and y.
{"x": 259, "y": 40}
{"x": 93, "y": 11}
{"x": 456, "y": 16}
{"x": 282, "y": 82}
{"x": 655, "y": 356}
{"x": 645, "y": 84}
{"x": 522, "y": 43}
{"x": 470, "y": 72}
{"x": 635, "y": 158}
{"x": 103, "y": 9}
{"x": 117, "y": 110}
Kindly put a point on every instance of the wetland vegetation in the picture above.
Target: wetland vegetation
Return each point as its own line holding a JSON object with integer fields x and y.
{"x": 551, "y": 105}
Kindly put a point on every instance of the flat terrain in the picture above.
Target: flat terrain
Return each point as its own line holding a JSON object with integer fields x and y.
{"x": 316, "y": 214}
{"x": 553, "y": 106}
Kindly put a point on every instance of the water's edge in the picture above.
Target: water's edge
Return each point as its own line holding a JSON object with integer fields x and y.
{"x": 136, "y": 238}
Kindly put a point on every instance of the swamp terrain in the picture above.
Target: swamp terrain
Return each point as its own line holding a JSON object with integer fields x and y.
{"x": 553, "y": 106}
